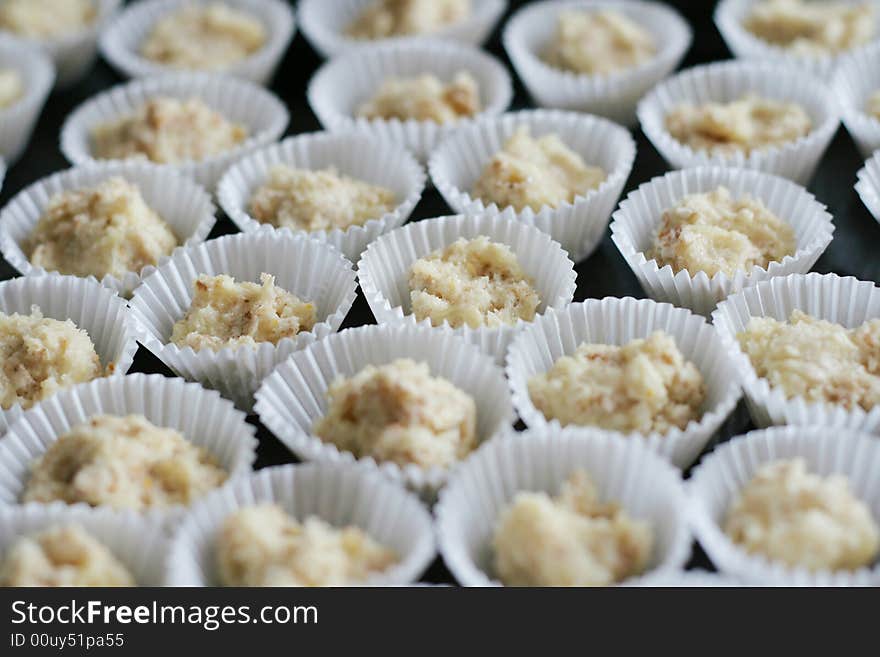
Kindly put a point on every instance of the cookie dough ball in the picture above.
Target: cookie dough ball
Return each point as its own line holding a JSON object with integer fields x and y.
{"x": 424, "y": 98}
{"x": 389, "y": 18}
{"x": 46, "y": 19}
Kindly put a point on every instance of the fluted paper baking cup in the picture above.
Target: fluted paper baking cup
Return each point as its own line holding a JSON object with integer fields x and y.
{"x": 729, "y": 18}
{"x": 311, "y": 270}
{"x": 868, "y": 185}
{"x": 359, "y": 156}
{"x": 37, "y": 75}
{"x": 343, "y": 83}
{"x": 843, "y": 300}
{"x": 635, "y": 224}
{"x": 615, "y": 96}
{"x": 856, "y": 78}
{"x": 95, "y": 309}
{"x": 718, "y": 480}
{"x": 264, "y": 115}
{"x": 122, "y": 39}
{"x": 728, "y": 81}
{"x": 619, "y": 321}
{"x": 690, "y": 579}
{"x": 202, "y": 416}
{"x": 341, "y": 495}
{"x": 540, "y": 460}
{"x": 383, "y": 270}
{"x": 325, "y": 22}
{"x": 138, "y": 543}
{"x": 294, "y": 396}
{"x": 578, "y": 225}
{"x": 184, "y": 205}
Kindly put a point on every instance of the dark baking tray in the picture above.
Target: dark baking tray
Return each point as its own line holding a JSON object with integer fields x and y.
{"x": 604, "y": 273}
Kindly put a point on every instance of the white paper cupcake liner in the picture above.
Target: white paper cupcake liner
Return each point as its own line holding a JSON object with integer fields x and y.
{"x": 359, "y": 156}
{"x": 723, "y": 474}
{"x": 183, "y": 204}
{"x": 728, "y": 81}
{"x": 122, "y": 39}
{"x": 614, "y": 96}
{"x": 293, "y": 397}
{"x": 311, "y": 270}
{"x": 202, "y": 416}
{"x": 868, "y": 185}
{"x": 264, "y": 115}
{"x": 138, "y": 543}
{"x": 95, "y": 309}
{"x": 843, "y": 300}
{"x": 342, "y": 84}
{"x": 578, "y": 226}
{"x": 540, "y": 460}
{"x": 690, "y": 579}
{"x": 37, "y": 75}
{"x": 729, "y": 17}
{"x": 619, "y": 321}
{"x": 340, "y": 495}
{"x": 324, "y": 22}
{"x": 383, "y": 271}
{"x": 856, "y": 78}
{"x": 635, "y": 224}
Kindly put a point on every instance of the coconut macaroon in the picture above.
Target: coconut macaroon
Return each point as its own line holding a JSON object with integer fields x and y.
{"x": 424, "y": 98}
{"x": 167, "y": 130}
{"x": 263, "y": 546}
{"x": 571, "y": 539}
{"x": 815, "y": 359}
{"x": 62, "y": 556}
{"x": 390, "y": 18}
{"x": 100, "y": 230}
{"x": 748, "y": 124}
{"x": 224, "y": 313}
{"x": 11, "y": 87}
{"x": 123, "y": 463}
{"x": 804, "y": 520}
{"x": 643, "y": 386}
{"x": 873, "y": 105}
{"x": 531, "y": 172}
{"x": 209, "y": 37}
{"x": 398, "y": 412}
{"x": 714, "y": 232}
{"x": 46, "y": 19}
{"x": 472, "y": 283}
{"x": 598, "y": 43}
{"x": 317, "y": 200}
{"x": 812, "y": 28}
{"x": 39, "y": 356}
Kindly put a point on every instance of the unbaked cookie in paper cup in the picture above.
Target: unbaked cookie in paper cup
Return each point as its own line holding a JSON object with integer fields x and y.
{"x": 868, "y": 185}
{"x": 383, "y": 271}
{"x": 98, "y": 311}
{"x": 856, "y": 80}
{"x": 341, "y": 85}
{"x": 183, "y": 204}
{"x": 37, "y": 75}
{"x": 294, "y": 396}
{"x": 638, "y": 217}
{"x": 484, "y": 485}
{"x": 122, "y": 40}
{"x": 325, "y": 23}
{"x": 358, "y": 156}
{"x": 313, "y": 271}
{"x": 729, "y": 18}
{"x": 339, "y": 494}
{"x": 617, "y": 322}
{"x": 728, "y": 81}
{"x": 842, "y": 300}
{"x": 531, "y": 29}
{"x": 139, "y": 544}
{"x": 578, "y": 225}
{"x": 723, "y": 474}
{"x": 202, "y": 416}
{"x": 261, "y": 112}
{"x": 74, "y": 52}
